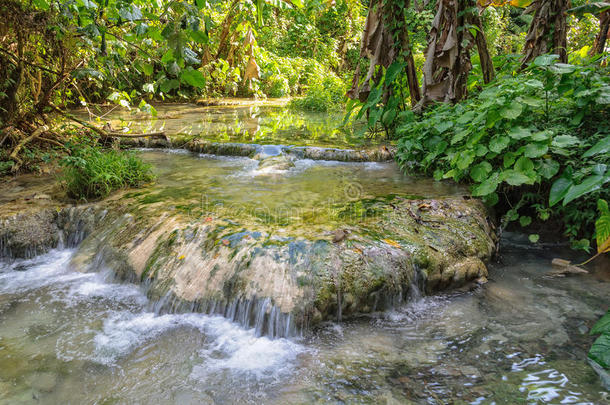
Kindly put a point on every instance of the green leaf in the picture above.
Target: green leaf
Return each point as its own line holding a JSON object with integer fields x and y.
{"x": 563, "y": 141}
{"x": 548, "y": 168}
{"x": 193, "y": 77}
{"x": 600, "y": 351}
{"x": 443, "y": 126}
{"x": 532, "y": 101}
{"x": 602, "y": 146}
{"x": 487, "y": 187}
{"x": 459, "y": 136}
{"x": 147, "y": 68}
{"x": 524, "y": 165}
{"x": 200, "y": 37}
{"x": 515, "y": 178}
{"x": 466, "y": 158}
{"x": 41, "y": 4}
{"x": 512, "y": 111}
{"x": 509, "y": 158}
{"x": 602, "y": 231}
{"x": 525, "y": 221}
{"x": 498, "y": 143}
{"x": 479, "y": 172}
{"x": 168, "y": 85}
{"x": 545, "y": 60}
{"x": 541, "y": 136}
{"x": 168, "y": 56}
{"x": 590, "y": 184}
{"x": 534, "y": 150}
{"x": 534, "y": 238}
{"x": 602, "y": 326}
{"x": 602, "y": 206}
{"x": 558, "y": 190}
{"x": 520, "y": 133}
{"x": 130, "y": 13}
{"x": 392, "y": 72}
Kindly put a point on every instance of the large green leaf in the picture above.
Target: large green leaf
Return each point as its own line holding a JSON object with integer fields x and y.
{"x": 479, "y": 172}
{"x": 498, "y": 143}
{"x": 487, "y": 187}
{"x": 558, "y": 190}
{"x": 602, "y": 146}
{"x": 193, "y": 77}
{"x": 563, "y": 141}
{"x": 602, "y": 227}
{"x": 548, "y": 168}
{"x": 589, "y": 184}
{"x": 534, "y": 150}
{"x": 600, "y": 351}
{"x": 524, "y": 165}
{"x": 520, "y": 133}
{"x": 393, "y": 70}
{"x": 512, "y": 111}
{"x": 603, "y": 325}
{"x": 515, "y": 178}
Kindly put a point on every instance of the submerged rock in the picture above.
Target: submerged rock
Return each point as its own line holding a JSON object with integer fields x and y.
{"x": 280, "y": 284}
{"x": 374, "y": 154}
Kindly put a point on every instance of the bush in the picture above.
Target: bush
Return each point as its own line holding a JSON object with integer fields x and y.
{"x": 93, "y": 173}
{"x": 536, "y": 142}
{"x": 323, "y": 95}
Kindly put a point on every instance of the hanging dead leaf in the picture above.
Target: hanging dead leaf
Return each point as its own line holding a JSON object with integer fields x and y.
{"x": 249, "y": 39}
{"x": 252, "y": 69}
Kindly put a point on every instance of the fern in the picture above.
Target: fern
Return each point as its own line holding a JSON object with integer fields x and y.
{"x": 602, "y": 227}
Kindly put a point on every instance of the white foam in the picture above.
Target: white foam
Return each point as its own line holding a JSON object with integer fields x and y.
{"x": 229, "y": 346}
{"x": 26, "y": 275}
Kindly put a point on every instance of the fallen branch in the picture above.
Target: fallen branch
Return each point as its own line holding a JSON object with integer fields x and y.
{"x": 54, "y": 142}
{"x": 160, "y": 134}
{"x": 13, "y": 156}
{"x": 85, "y": 124}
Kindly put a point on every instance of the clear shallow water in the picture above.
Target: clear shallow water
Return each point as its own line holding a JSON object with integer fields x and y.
{"x": 307, "y": 196}
{"x": 77, "y": 338}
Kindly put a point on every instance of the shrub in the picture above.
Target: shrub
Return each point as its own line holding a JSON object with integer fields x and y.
{"x": 535, "y": 142}
{"x": 93, "y": 173}
{"x": 323, "y": 95}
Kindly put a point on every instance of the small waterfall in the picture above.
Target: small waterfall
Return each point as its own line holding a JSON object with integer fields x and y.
{"x": 261, "y": 314}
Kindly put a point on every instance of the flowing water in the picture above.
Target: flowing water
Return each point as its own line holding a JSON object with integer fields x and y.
{"x": 77, "y": 338}
{"x": 72, "y": 337}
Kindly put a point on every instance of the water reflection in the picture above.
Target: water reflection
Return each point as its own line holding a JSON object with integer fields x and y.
{"x": 262, "y": 124}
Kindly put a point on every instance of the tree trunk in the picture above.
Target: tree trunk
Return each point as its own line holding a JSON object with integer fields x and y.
{"x": 604, "y": 31}
{"x": 487, "y": 66}
{"x": 448, "y": 55}
{"x": 548, "y": 31}
{"x": 223, "y": 45}
{"x": 385, "y": 39}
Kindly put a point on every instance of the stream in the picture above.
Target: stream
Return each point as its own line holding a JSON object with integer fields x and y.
{"x": 68, "y": 336}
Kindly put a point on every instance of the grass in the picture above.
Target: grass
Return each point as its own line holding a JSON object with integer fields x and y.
{"x": 91, "y": 172}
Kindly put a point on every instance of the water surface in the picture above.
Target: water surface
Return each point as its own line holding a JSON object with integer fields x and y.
{"x": 77, "y": 338}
